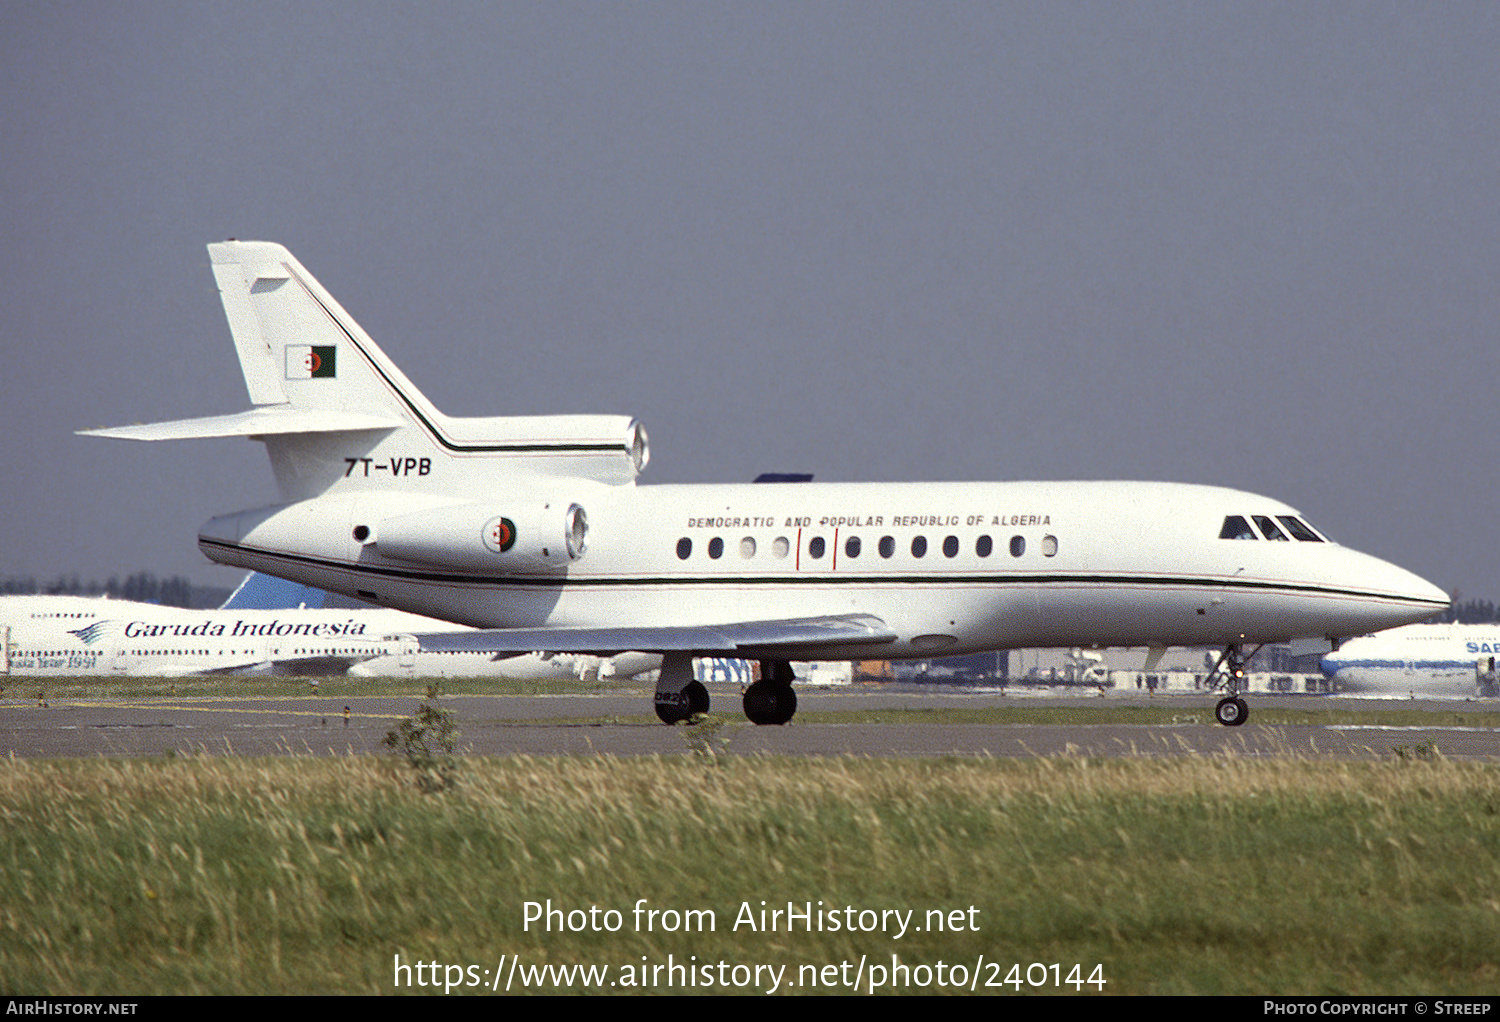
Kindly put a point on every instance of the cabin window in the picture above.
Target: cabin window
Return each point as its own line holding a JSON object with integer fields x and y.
{"x": 816, "y": 547}
{"x": 851, "y": 546}
{"x": 1017, "y": 546}
{"x": 1236, "y": 527}
{"x": 747, "y": 547}
{"x": 887, "y": 546}
{"x": 984, "y": 546}
{"x": 716, "y": 548}
{"x": 1296, "y": 527}
{"x": 1049, "y": 546}
{"x": 1268, "y": 529}
{"x": 950, "y": 546}
{"x": 780, "y": 546}
{"x": 919, "y": 546}
{"x": 684, "y": 548}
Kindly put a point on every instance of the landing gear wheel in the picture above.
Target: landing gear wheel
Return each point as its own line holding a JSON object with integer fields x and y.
{"x": 679, "y": 695}
{"x": 697, "y": 698}
{"x": 769, "y": 703}
{"x": 693, "y": 699}
{"x": 672, "y": 713}
{"x": 1232, "y": 712}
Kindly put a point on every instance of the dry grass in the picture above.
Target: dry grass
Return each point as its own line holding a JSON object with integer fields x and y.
{"x": 1177, "y": 875}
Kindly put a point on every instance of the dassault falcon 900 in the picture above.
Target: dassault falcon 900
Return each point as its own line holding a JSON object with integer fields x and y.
{"x": 533, "y": 530}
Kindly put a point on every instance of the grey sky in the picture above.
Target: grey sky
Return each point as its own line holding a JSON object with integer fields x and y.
{"x": 1252, "y": 245}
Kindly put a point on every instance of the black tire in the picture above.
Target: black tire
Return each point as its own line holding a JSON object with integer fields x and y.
{"x": 769, "y": 703}
{"x": 1231, "y": 712}
{"x": 674, "y": 709}
{"x": 697, "y": 698}
{"x": 777, "y": 672}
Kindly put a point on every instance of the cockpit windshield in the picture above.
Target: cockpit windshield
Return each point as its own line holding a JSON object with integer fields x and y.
{"x": 1300, "y": 530}
{"x": 1236, "y": 527}
{"x": 1268, "y": 528}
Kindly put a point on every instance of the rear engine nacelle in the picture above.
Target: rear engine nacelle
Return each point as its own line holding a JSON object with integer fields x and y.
{"x": 487, "y": 537}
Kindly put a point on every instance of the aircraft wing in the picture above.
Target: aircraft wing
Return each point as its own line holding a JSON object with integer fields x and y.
{"x": 291, "y": 667}
{"x": 247, "y": 665}
{"x": 732, "y": 639}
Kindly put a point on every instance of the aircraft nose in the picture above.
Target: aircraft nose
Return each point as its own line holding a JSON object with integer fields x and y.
{"x": 1410, "y": 597}
{"x": 1419, "y": 590}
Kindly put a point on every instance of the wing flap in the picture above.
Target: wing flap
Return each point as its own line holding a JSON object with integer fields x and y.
{"x": 730, "y": 639}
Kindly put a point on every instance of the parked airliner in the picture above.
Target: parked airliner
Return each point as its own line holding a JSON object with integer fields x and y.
{"x": 533, "y": 530}
{"x": 261, "y": 629}
{"x": 267, "y": 592}
{"x": 67, "y": 636}
{"x": 1450, "y": 661}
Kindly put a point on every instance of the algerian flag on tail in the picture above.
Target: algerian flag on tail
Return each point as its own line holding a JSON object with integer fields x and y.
{"x": 310, "y": 361}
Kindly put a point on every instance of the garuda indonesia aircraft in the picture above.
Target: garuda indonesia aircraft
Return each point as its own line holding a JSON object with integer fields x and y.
{"x": 267, "y": 627}
{"x": 534, "y": 530}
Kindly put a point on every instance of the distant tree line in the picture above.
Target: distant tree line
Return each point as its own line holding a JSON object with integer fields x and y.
{"x": 143, "y": 587}
{"x": 1469, "y": 612}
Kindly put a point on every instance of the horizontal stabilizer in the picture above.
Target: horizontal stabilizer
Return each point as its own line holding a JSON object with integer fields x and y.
{"x": 273, "y": 420}
{"x": 726, "y": 639}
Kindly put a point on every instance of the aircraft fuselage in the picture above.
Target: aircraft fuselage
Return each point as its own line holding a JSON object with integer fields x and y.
{"x": 950, "y": 567}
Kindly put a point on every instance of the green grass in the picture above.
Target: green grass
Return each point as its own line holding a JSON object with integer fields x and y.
{"x": 1188, "y": 875}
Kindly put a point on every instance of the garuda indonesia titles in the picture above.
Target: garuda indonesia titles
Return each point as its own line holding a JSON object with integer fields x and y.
{"x": 267, "y": 627}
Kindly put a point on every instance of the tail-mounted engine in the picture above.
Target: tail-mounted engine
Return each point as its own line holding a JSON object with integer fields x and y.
{"x": 487, "y": 537}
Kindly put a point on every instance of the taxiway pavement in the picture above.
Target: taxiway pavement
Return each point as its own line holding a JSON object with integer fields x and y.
{"x": 613, "y": 724}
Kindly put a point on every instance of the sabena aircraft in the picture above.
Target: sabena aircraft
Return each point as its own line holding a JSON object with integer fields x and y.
{"x": 1451, "y": 661}
{"x": 534, "y": 530}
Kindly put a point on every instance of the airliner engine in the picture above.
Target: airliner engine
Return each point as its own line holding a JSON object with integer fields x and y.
{"x": 548, "y": 535}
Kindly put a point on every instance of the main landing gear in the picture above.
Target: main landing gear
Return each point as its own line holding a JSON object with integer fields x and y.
{"x": 679, "y": 697}
{"x": 771, "y": 699}
{"x": 1231, "y": 711}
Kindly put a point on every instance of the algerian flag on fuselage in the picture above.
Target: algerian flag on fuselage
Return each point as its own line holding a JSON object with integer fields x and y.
{"x": 310, "y": 361}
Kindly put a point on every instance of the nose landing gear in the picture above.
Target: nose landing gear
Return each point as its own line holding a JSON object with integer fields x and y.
{"x": 1231, "y": 711}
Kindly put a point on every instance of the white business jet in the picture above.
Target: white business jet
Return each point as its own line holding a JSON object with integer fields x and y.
{"x": 533, "y": 530}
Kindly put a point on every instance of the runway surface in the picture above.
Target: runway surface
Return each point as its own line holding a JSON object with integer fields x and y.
{"x": 611, "y": 724}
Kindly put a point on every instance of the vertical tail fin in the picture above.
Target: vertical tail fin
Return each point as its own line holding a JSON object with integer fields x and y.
{"x": 337, "y": 415}
{"x": 266, "y": 592}
{"x": 296, "y": 343}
